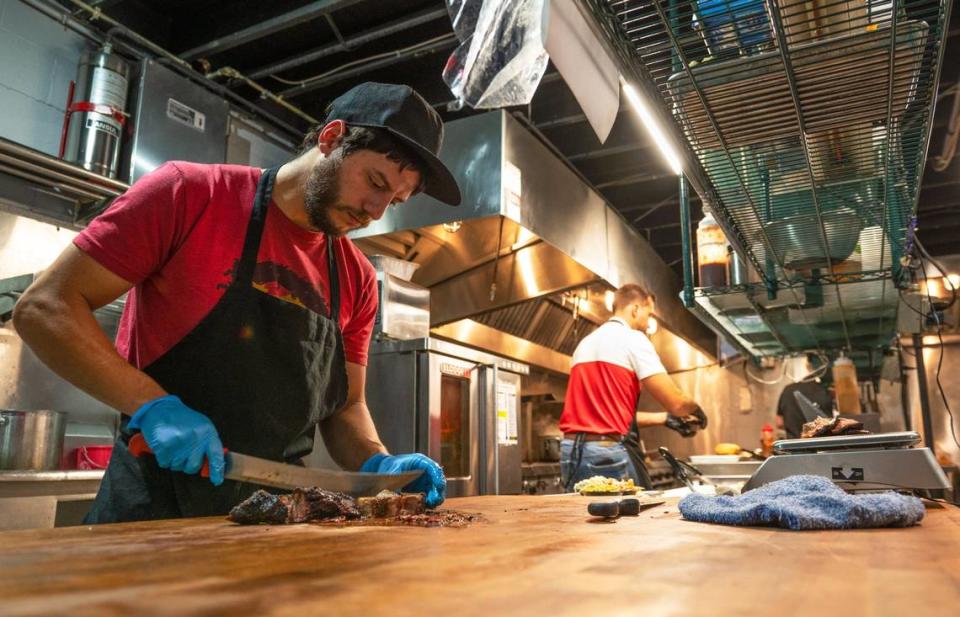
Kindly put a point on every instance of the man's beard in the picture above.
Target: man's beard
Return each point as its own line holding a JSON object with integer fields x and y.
{"x": 321, "y": 195}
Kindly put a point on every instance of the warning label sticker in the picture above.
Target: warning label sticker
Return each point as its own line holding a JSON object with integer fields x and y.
{"x": 104, "y": 126}
{"x": 186, "y": 115}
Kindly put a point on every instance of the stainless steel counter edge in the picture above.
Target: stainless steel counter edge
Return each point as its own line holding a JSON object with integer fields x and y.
{"x": 56, "y": 483}
{"x": 26, "y": 475}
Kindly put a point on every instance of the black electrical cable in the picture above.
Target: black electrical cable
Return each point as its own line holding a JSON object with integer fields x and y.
{"x": 943, "y": 273}
{"x": 936, "y": 317}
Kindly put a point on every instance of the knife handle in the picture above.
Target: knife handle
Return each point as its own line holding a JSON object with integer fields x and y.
{"x": 138, "y": 446}
{"x": 606, "y": 509}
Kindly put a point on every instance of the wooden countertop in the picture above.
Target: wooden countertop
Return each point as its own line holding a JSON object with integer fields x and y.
{"x": 534, "y": 556}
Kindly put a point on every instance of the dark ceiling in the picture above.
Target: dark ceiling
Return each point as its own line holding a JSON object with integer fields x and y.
{"x": 282, "y": 42}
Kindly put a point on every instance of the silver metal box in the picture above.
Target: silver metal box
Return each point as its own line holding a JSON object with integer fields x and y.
{"x": 404, "y": 308}
{"x": 173, "y": 119}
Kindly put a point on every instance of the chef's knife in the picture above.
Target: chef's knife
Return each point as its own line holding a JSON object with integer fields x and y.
{"x": 245, "y": 468}
{"x": 810, "y": 410}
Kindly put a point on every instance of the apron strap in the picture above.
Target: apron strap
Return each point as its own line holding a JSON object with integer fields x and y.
{"x": 334, "y": 278}
{"x": 577, "y": 456}
{"x": 251, "y": 243}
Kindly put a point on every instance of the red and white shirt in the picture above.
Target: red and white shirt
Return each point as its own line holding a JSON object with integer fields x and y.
{"x": 608, "y": 366}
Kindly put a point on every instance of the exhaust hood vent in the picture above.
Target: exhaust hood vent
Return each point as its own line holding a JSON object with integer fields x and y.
{"x": 540, "y": 321}
{"x": 529, "y": 236}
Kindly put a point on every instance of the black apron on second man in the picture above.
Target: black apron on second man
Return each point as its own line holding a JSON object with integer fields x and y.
{"x": 264, "y": 370}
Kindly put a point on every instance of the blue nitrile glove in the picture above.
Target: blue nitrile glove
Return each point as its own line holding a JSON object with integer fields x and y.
{"x": 431, "y": 481}
{"x": 179, "y": 436}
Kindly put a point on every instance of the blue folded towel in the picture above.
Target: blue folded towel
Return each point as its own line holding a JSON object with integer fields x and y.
{"x": 805, "y": 502}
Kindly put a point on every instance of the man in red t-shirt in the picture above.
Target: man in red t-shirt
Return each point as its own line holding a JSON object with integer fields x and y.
{"x": 249, "y": 312}
{"x": 610, "y": 367}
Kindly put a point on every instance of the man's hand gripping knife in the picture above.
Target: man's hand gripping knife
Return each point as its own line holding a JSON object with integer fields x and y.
{"x": 179, "y": 436}
{"x": 431, "y": 481}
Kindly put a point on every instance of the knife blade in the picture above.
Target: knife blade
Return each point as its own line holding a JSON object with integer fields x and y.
{"x": 246, "y": 468}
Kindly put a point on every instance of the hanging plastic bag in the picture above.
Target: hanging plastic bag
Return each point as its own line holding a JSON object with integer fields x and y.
{"x": 501, "y": 58}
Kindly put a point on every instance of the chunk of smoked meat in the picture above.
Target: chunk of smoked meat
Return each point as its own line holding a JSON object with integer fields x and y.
{"x": 300, "y": 506}
{"x": 261, "y": 507}
{"x": 387, "y": 504}
{"x": 831, "y": 427}
{"x": 311, "y": 504}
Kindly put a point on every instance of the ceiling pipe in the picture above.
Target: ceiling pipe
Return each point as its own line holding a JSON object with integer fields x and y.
{"x": 232, "y": 73}
{"x": 350, "y": 43}
{"x": 98, "y": 15}
{"x": 268, "y": 27}
{"x": 309, "y": 85}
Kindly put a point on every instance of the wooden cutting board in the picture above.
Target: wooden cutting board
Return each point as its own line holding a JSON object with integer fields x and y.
{"x": 535, "y": 556}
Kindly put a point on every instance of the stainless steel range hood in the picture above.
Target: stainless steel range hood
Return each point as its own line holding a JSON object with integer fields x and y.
{"x": 528, "y": 254}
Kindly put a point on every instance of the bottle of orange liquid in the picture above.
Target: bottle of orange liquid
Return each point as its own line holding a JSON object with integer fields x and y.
{"x": 845, "y": 383}
{"x": 712, "y": 254}
{"x": 766, "y": 440}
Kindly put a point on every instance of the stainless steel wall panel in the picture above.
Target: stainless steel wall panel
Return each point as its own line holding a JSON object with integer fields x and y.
{"x": 403, "y": 310}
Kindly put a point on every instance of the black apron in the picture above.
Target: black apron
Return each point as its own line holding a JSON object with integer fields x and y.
{"x": 632, "y": 443}
{"x": 265, "y": 371}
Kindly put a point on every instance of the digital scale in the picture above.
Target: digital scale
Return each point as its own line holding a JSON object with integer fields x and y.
{"x": 877, "y": 461}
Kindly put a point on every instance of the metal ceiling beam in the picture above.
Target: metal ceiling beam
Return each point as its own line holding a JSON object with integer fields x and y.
{"x": 417, "y": 19}
{"x": 268, "y": 27}
{"x": 612, "y": 151}
{"x": 568, "y": 120}
{"x": 665, "y": 226}
{"x": 316, "y": 84}
{"x": 638, "y": 178}
{"x": 939, "y": 211}
{"x": 646, "y": 207}
{"x": 561, "y": 121}
{"x": 668, "y": 200}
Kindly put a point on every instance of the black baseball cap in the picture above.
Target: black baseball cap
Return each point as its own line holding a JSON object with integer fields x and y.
{"x": 407, "y": 117}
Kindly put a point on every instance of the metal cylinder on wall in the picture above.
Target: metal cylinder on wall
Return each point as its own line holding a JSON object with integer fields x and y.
{"x": 95, "y": 119}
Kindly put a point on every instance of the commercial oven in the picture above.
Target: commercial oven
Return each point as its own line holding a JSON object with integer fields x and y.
{"x": 457, "y": 405}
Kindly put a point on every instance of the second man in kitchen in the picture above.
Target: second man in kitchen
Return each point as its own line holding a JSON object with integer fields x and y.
{"x": 610, "y": 368}
{"x": 249, "y": 313}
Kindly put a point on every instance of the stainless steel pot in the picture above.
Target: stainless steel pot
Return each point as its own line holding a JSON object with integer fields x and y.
{"x": 31, "y": 439}
{"x": 797, "y": 239}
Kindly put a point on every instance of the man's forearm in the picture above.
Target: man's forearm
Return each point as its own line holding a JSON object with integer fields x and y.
{"x": 684, "y": 409}
{"x": 351, "y": 437}
{"x": 68, "y": 339}
{"x": 651, "y": 418}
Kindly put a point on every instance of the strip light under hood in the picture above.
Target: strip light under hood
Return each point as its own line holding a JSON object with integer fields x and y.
{"x": 648, "y": 121}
